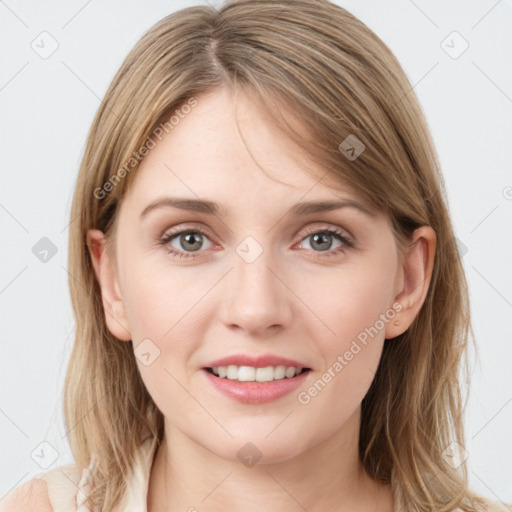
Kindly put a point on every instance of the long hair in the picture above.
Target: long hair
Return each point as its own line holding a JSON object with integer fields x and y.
{"x": 328, "y": 68}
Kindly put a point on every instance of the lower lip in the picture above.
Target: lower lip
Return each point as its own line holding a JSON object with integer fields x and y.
{"x": 256, "y": 392}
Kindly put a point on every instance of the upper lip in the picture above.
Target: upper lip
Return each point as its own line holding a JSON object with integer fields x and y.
{"x": 260, "y": 361}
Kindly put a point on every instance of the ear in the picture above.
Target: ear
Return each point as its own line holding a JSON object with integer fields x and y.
{"x": 115, "y": 315}
{"x": 413, "y": 279}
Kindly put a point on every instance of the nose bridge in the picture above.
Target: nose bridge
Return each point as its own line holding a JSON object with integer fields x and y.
{"x": 257, "y": 299}
{"x": 252, "y": 272}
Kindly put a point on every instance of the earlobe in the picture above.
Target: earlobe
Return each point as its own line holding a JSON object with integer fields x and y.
{"x": 113, "y": 306}
{"x": 415, "y": 279}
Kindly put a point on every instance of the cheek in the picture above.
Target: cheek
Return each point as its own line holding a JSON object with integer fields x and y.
{"x": 157, "y": 296}
{"x": 353, "y": 306}
{"x": 161, "y": 317}
{"x": 353, "y": 299}
{"x": 163, "y": 305}
{"x": 149, "y": 306}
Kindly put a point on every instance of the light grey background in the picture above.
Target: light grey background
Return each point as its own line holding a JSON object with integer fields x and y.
{"x": 47, "y": 106}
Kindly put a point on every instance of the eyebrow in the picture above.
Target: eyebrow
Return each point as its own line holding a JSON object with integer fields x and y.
{"x": 212, "y": 208}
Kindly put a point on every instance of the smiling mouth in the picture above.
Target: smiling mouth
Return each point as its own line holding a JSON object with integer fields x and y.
{"x": 253, "y": 374}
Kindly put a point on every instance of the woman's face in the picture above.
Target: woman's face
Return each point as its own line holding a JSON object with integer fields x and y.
{"x": 257, "y": 278}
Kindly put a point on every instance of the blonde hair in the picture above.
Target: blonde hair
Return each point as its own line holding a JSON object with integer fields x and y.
{"x": 335, "y": 74}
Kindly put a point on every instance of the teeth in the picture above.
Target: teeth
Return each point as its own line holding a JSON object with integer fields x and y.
{"x": 252, "y": 374}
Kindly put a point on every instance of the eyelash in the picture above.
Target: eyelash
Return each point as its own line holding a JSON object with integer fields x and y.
{"x": 340, "y": 235}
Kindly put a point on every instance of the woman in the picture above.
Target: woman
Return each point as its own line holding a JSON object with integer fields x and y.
{"x": 270, "y": 306}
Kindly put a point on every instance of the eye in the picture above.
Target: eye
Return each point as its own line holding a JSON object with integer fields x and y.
{"x": 321, "y": 241}
{"x": 184, "y": 243}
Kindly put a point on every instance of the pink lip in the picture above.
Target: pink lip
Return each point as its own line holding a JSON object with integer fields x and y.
{"x": 256, "y": 392}
{"x": 256, "y": 361}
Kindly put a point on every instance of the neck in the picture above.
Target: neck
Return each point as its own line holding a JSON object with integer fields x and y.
{"x": 329, "y": 476}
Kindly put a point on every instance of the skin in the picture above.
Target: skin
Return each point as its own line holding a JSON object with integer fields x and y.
{"x": 291, "y": 301}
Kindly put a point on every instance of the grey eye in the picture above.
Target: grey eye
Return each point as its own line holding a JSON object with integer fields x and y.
{"x": 190, "y": 241}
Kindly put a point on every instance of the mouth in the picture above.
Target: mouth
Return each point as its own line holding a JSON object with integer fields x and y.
{"x": 256, "y": 374}
{"x": 256, "y": 385}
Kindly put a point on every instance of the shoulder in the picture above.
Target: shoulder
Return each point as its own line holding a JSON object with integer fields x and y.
{"x": 56, "y": 490}
{"x": 29, "y": 497}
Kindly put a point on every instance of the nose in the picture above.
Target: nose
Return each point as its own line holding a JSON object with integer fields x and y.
{"x": 255, "y": 298}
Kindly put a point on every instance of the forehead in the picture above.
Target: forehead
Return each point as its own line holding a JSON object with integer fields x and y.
{"x": 226, "y": 149}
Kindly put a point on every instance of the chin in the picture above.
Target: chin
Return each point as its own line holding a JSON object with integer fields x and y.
{"x": 252, "y": 447}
